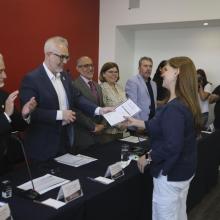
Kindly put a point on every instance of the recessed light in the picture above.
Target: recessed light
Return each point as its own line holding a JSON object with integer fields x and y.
{"x": 205, "y": 23}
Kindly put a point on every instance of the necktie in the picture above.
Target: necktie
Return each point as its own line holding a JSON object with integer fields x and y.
{"x": 152, "y": 105}
{"x": 93, "y": 90}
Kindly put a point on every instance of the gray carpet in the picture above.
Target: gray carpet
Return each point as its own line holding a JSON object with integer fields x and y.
{"x": 209, "y": 207}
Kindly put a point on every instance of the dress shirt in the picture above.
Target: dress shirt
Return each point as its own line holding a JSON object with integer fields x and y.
{"x": 58, "y": 86}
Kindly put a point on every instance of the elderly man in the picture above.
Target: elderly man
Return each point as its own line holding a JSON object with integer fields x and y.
{"x": 51, "y": 130}
{"x": 92, "y": 91}
{"x": 10, "y": 120}
{"x": 141, "y": 90}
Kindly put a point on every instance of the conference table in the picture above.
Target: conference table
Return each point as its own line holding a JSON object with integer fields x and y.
{"x": 128, "y": 197}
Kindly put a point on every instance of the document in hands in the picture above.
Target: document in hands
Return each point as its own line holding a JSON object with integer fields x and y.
{"x": 127, "y": 108}
{"x": 44, "y": 183}
{"x": 74, "y": 160}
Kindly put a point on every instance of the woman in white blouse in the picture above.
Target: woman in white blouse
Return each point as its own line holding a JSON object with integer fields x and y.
{"x": 113, "y": 95}
{"x": 205, "y": 89}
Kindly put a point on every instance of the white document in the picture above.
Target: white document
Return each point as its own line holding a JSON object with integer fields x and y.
{"x": 133, "y": 139}
{"x": 44, "y": 183}
{"x": 53, "y": 203}
{"x": 127, "y": 108}
{"x": 5, "y": 212}
{"x": 74, "y": 160}
{"x": 104, "y": 180}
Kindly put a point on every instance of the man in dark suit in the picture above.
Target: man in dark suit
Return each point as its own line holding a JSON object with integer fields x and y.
{"x": 51, "y": 131}
{"x": 93, "y": 92}
{"x": 10, "y": 120}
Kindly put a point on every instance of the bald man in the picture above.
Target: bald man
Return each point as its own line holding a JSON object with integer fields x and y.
{"x": 10, "y": 120}
{"x": 51, "y": 130}
{"x": 93, "y": 92}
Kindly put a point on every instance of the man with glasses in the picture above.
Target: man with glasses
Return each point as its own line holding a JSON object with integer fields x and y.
{"x": 86, "y": 137}
{"x": 51, "y": 131}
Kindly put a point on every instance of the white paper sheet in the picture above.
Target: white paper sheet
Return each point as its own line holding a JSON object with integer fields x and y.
{"x": 53, "y": 203}
{"x": 44, "y": 183}
{"x": 133, "y": 139}
{"x": 127, "y": 108}
{"x": 74, "y": 160}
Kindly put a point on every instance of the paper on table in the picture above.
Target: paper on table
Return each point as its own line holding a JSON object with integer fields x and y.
{"x": 74, "y": 160}
{"x": 44, "y": 183}
{"x": 133, "y": 139}
{"x": 103, "y": 180}
{"x": 126, "y": 109}
{"x": 53, "y": 203}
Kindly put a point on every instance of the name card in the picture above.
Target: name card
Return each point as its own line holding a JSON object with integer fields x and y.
{"x": 115, "y": 171}
{"x": 70, "y": 191}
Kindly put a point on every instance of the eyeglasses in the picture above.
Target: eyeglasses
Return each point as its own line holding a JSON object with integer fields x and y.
{"x": 62, "y": 57}
{"x": 88, "y": 65}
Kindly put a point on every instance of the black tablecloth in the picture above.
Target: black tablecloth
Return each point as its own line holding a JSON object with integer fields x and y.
{"x": 129, "y": 197}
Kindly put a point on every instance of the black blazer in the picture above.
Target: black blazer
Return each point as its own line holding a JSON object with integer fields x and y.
{"x": 173, "y": 142}
{"x": 43, "y": 136}
{"x": 17, "y": 124}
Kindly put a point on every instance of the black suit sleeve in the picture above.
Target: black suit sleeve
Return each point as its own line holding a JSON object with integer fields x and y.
{"x": 5, "y": 126}
{"x": 83, "y": 103}
{"x": 40, "y": 115}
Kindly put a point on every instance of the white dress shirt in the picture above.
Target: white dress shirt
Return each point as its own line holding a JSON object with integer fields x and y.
{"x": 61, "y": 93}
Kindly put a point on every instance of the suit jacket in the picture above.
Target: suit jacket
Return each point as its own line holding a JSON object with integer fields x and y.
{"x": 137, "y": 91}
{"x": 17, "y": 124}
{"x": 43, "y": 136}
{"x": 83, "y": 136}
{"x": 173, "y": 141}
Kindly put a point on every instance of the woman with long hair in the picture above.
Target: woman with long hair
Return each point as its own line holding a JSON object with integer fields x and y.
{"x": 204, "y": 90}
{"x": 173, "y": 132}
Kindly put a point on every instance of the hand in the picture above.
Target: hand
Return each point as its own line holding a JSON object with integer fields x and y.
{"x": 142, "y": 162}
{"x": 122, "y": 126}
{"x": 105, "y": 110}
{"x": 69, "y": 116}
{"x": 98, "y": 128}
{"x": 134, "y": 122}
{"x": 9, "y": 103}
{"x": 29, "y": 107}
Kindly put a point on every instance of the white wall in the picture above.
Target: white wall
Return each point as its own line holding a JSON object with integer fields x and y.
{"x": 200, "y": 44}
{"x": 115, "y": 12}
{"x": 124, "y": 44}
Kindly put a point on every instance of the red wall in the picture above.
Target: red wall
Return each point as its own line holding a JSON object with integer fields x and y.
{"x": 26, "y": 24}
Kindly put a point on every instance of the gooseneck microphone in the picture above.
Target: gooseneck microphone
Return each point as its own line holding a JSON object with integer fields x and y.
{"x": 30, "y": 193}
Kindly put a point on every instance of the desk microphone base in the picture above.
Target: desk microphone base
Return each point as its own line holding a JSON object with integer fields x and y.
{"x": 29, "y": 194}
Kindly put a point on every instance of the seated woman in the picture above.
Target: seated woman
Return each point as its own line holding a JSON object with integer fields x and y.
{"x": 113, "y": 95}
{"x": 162, "y": 93}
{"x": 10, "y": 119}
{"x": 204, "y": 90}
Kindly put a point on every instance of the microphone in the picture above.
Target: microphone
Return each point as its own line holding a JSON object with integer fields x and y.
{"x": 30, "y": 193}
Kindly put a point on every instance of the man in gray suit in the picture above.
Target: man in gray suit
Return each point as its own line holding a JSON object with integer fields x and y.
{"x": 142, "y": 90}
{"x": 92, "y": 91}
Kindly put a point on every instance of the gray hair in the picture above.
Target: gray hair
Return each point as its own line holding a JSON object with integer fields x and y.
{"x": 53, "y": 41}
